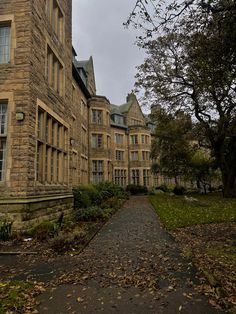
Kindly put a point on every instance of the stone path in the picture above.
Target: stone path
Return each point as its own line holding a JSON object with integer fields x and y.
{"x": 132, "y": 266}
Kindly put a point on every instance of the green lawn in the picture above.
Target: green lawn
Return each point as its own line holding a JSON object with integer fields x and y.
{"x": 177, "y": 211}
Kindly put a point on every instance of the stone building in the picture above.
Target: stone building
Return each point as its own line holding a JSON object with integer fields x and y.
{"x": 55, "y": 132}
{"x": 120, "y": 143}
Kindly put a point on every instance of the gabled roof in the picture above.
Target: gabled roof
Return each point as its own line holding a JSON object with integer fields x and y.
{"x": 122, "y": 109}
{"x": 126, "y": 107}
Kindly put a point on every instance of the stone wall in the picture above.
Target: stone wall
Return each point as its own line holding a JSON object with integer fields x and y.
{"x": 24, "y": 213}
{"x": 15, "y": 89}
{"x": 24, "y": 85}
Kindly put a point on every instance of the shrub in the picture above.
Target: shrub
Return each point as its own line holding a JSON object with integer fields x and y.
{"x": 89, "y": 214}
{"x": 163, "y": 187}
{"x": 85, "y": 196}
{"x": 112, "y": 202}
{"x": 136, "y": 189}
{"x": 93, "y": 213}
{"x": 5, "y": 230}
{"x": 44, "y": 230}
{"x": 107, "y": 212}
{"x": 109, "y": 189}
{"x": 179, "y": 190}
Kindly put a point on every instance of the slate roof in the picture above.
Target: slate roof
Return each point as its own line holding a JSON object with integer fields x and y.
{"x": 122, "y": 109}
{"x": 82, "y": 64}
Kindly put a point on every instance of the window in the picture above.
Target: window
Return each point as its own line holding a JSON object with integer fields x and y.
{"x": 146, "y": 177}
{"x": 5, "y": 39}
{"x": 55, "y": 74}
{"x": 75, "y": 168}
{"x": 119, "y": 119}
{"x": 134, "y": 139}
{"x": 136, "y": 122}
{"x": 134, "y": 156}
{"x": 84, "y": 142}
{"x": 119, "y": 138}
{"x": 97, "y": 171}
{"x": 97, "y": 140}
{"x": 3, "y": 139}
{"x": 51, "y": 150}
{"x": 120, "y": 177}
{"x": 97, "y": 116}
{"x": 145, "y": 139}
{"x": 3, "y": 119}
{"x": 84, "y": 169}
{"x": 120, "y": 154}
{"x": 56, "y": 18}
{"x": 145, "y": 155}
{"x": 135, "y": 176}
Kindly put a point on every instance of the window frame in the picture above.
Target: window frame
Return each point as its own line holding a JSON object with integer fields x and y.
{"x": 120, "y": 155}
{"x": 97, "y": 171}
{"x": 3, "y": 138}
{"x": 134, "y": 139}
{"x": 134, "y": 156}
{"x": 52, "y": 150}
{"x": 56, "y": 18}
{"x": 6, "y": 25}
{"x": 119, "y": 138}
{"x": 97, "y": 140}
{"x": 97, "y": 116}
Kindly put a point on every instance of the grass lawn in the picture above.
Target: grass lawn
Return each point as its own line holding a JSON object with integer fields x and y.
{"x": 179, "y": 211}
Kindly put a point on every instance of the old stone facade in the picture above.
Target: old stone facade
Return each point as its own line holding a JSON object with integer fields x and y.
{"x": 55, "y": 132}
{"x": 120, "y": 143}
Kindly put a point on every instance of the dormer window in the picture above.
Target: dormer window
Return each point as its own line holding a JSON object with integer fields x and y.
{"x": 83, "y": 76}
{"x": 119, "y": 119}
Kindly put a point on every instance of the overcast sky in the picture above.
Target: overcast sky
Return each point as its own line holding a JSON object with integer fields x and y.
{"x": 98, "y": 31}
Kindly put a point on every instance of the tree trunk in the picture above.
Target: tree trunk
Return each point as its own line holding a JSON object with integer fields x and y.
{"x": 229, "y": 184}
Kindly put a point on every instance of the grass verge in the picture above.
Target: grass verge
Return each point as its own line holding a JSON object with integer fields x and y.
{"x": 18, "y": 296}
{"x": 181, "y": 211}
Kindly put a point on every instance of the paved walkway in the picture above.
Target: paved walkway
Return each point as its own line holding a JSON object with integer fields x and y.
{"x": 132, "y": 266}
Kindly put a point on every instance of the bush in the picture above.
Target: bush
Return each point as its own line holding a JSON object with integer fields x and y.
{"x": 109, "y": 189}
{"x": 93, "y": 213}
{"x": 179, "y": 190}
{"x": 44, "y": 230}
{"x": 112, "y": 202}
{"x": 107, "y": 212}
{"x": 86, "y": 196}
{"x": 163, "y": 187}
{"x": 136, "y": 189}
{"x": 5, "y": 230}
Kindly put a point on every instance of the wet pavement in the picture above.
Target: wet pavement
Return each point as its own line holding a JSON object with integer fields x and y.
{"x": 132, "y": 266}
